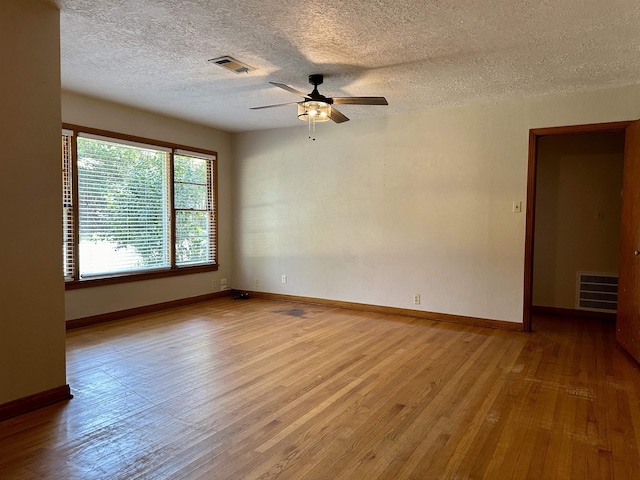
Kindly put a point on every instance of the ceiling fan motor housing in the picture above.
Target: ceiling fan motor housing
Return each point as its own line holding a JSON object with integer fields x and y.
{"x": 315, "y": 80}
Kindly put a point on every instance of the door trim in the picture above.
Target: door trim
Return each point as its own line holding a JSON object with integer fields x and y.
{"x": 534, "y": 135}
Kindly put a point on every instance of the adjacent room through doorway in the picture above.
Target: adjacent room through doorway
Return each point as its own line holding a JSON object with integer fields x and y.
{"x": 578, "y": 205}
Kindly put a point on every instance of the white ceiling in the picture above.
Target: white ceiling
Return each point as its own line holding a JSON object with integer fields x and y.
{"x": 153, "y": 54}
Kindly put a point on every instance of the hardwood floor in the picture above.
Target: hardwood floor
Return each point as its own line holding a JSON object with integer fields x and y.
{"x": 259, "y": 389}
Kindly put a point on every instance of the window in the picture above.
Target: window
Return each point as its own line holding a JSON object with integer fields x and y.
{"x": 193, "y": 205}
{"x": 140, "y": 207}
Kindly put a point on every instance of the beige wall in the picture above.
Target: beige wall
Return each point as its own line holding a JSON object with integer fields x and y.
{"x": 94, "y": 113}
{"x": 376, "y": 210}
{"x": 32, "y": 342}
{"x": 578, "y": 204}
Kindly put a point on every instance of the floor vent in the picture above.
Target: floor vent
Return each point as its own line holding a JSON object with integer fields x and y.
{"x": 597, "y": 292}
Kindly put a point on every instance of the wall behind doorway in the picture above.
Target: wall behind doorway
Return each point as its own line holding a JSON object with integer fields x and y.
{"x": 578, "y": 205}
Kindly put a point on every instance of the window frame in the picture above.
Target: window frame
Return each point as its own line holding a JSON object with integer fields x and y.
{"x": 173, "y": 270}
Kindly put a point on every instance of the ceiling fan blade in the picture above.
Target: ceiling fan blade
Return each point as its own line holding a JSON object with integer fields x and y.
{"x": 360, "y": 101}
{"x": 290, "y": 89}
{"x": 337, "y": 117}
{"x": 271, "y": 106}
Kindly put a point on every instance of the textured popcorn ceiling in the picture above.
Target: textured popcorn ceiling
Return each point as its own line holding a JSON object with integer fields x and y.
{"x": 153, "y": 54}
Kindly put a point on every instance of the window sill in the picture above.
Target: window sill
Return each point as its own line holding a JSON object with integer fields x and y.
{"x": 137, "y": 277}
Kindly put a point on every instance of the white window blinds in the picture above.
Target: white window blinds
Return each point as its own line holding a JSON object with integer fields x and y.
{"x": 123, "y": 208}
{"x": 68, "y": 250}
{"x": 194, "y": 209}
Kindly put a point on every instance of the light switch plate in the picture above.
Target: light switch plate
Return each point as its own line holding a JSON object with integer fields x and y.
{"x": 517, "y": 206}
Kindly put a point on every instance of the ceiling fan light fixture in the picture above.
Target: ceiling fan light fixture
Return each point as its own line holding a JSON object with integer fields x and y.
{"x": 314, "y": 111}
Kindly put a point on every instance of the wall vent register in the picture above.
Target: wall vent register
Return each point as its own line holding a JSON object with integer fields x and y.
{"x": 597, "y": 292}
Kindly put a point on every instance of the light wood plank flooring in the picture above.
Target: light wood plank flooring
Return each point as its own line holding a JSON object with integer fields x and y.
{"x": 259, "y": 389}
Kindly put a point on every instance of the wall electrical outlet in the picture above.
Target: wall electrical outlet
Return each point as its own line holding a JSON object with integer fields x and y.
{"x": 416, "y": 299}
{"x": 214, "y": 284}
{"x": 223, "y": 284}
{"x": 284, "y": 279}
{"x": 256, "y": 283}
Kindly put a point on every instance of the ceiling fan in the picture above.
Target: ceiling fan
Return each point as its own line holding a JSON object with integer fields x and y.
{"x": 317, "y": 108}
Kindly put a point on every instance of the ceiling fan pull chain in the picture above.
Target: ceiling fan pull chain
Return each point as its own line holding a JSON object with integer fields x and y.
{"x": 312, "y": 128}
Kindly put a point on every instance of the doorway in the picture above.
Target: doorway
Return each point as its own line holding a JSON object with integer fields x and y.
{"x": 548, "y": 139}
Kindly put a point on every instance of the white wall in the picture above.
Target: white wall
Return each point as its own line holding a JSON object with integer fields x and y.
{"x": 32, "y": 332}
{"x": 89, "y": 112}
{"x": 376, "y": 210}
{"x": 578, "y": 212}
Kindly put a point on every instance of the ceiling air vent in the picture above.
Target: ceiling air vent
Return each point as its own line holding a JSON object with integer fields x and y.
{"x": 232, "y": 64}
